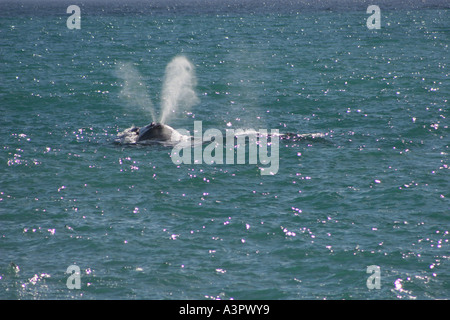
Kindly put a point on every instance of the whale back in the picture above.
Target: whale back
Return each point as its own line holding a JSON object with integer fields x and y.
{"x": 155, "y": 131}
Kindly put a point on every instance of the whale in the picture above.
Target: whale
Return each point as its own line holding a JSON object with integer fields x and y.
{"x": 159, "y": 133}
{"x": 156, "y": 132}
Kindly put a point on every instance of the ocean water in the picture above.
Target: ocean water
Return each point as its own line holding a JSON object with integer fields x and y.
{"x": 373, "y": 190}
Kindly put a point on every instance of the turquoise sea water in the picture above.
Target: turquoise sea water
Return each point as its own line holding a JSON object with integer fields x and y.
{"x": 373, "y": 191}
